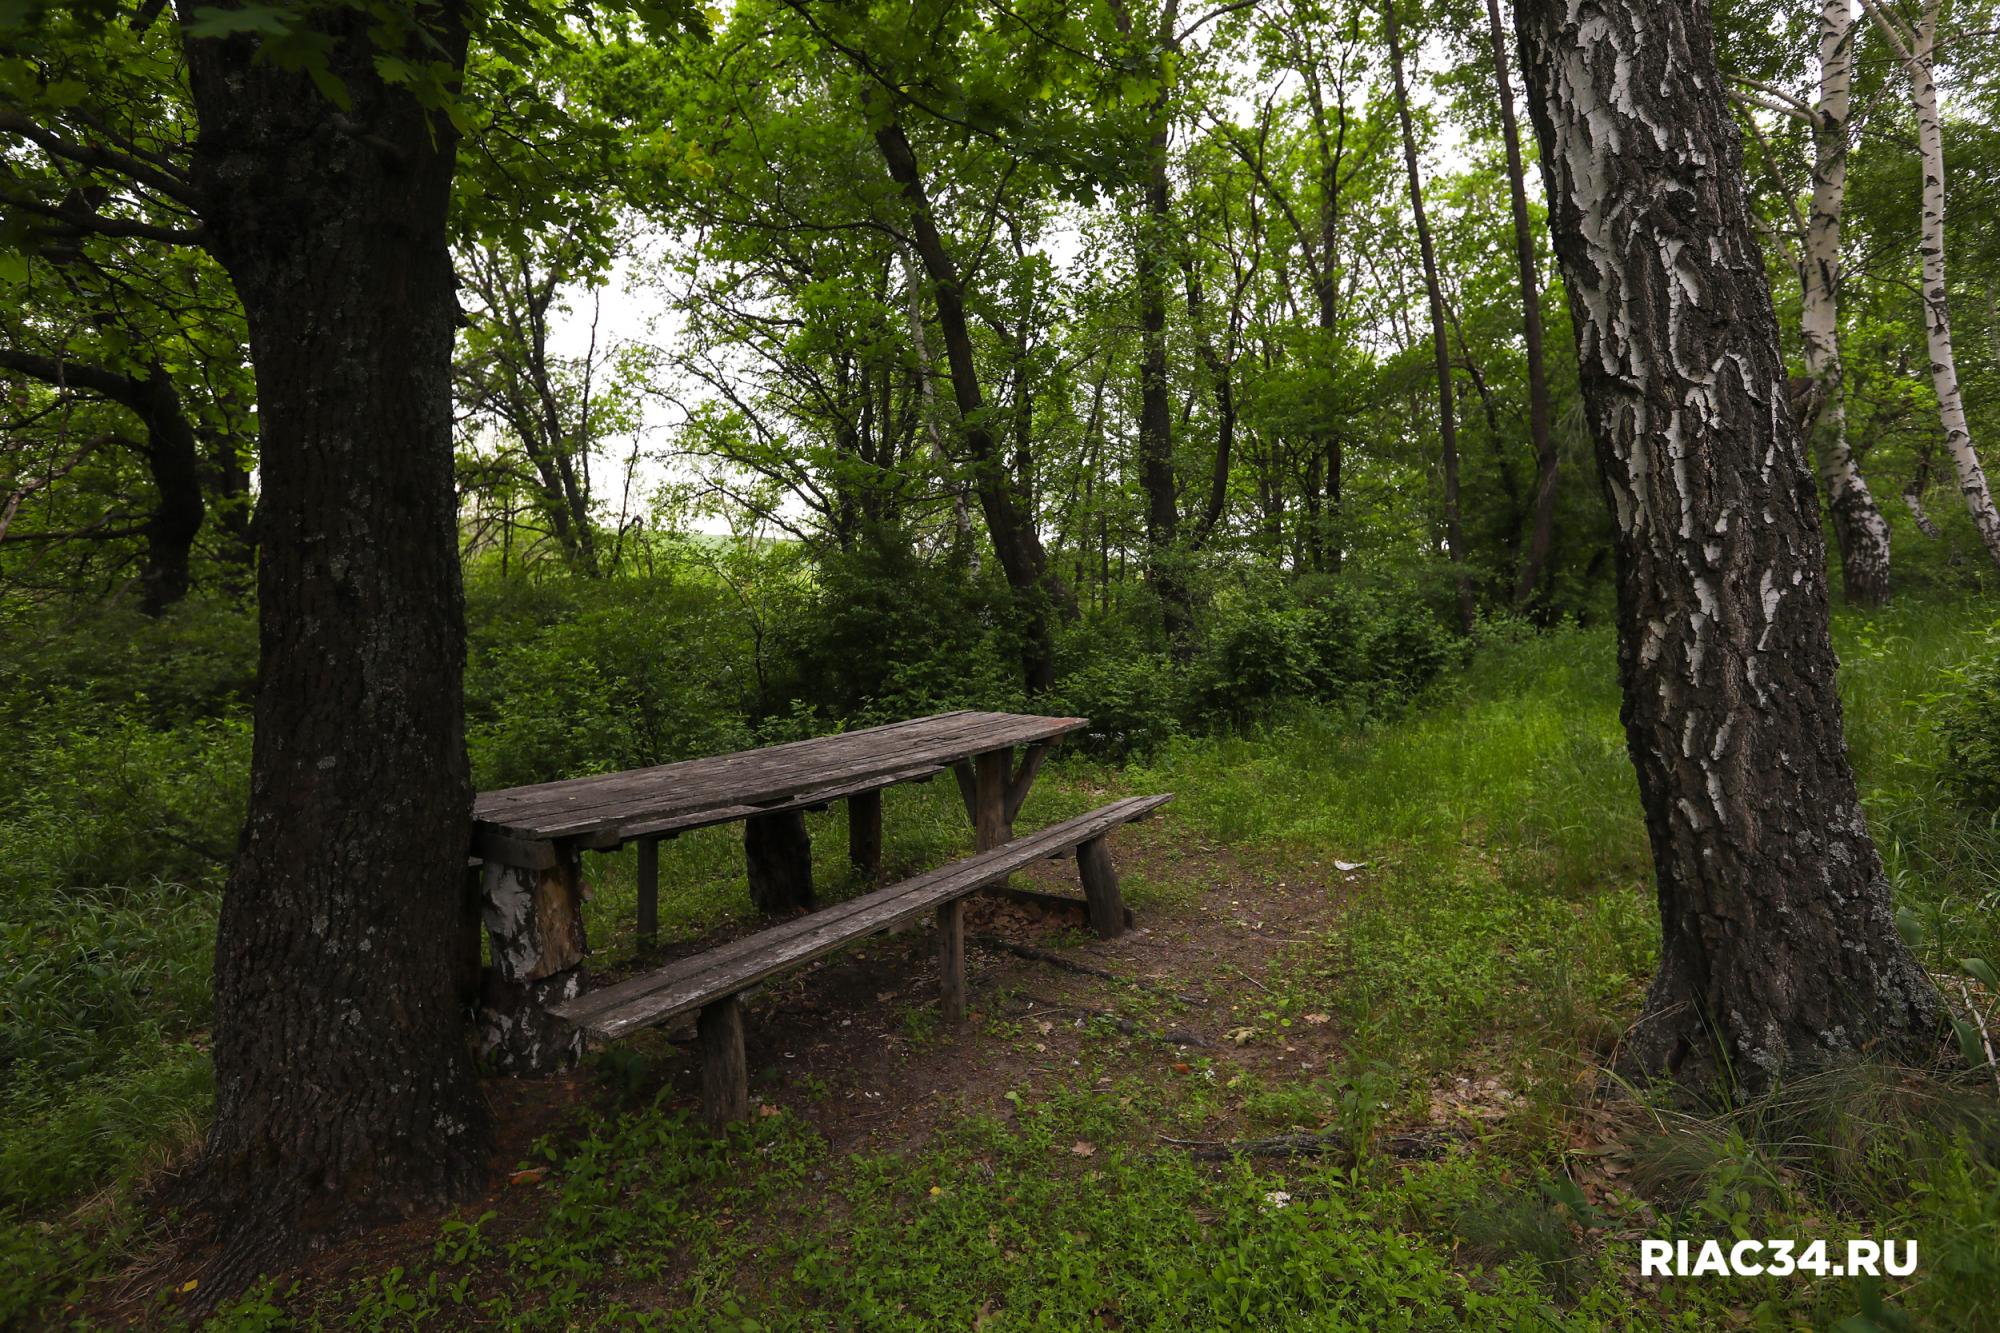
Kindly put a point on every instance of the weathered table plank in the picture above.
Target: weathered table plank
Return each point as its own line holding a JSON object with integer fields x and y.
{"x": 611, "y": 808}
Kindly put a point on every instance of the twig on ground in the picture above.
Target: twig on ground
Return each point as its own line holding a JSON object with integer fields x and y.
{"x": 1082, "y": 969}
{"x": 1985, "y": 1039}
{"x": 1173, "y": 1037}
{"x": 1247, "y": 977}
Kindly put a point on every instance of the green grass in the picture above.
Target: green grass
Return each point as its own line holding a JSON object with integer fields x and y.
{"x": 1503, "y": 930}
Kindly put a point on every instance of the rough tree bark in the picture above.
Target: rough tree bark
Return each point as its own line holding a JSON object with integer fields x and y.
{"x": 1016, "y": 543}
{"x": 1454, "y": 535}
{"x": 1541, "y": 430}
{"x": 1915, "y": 49}
{"x": 345, "y": 1088}
{"x": 1858, "y": 525}
{"x": 1156, "y": 414}
{"x": 1778, "y": 947}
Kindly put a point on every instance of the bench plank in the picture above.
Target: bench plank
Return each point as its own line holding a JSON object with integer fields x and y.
{"x": 692, "y": 982}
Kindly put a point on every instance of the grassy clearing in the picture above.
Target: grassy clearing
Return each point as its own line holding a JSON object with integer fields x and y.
{"x": 1477, "y": 972}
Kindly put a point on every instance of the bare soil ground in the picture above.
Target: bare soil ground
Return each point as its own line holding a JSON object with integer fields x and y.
{"x": 853, "y": 1044}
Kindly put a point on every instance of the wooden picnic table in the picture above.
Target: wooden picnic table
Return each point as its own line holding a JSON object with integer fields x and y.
{"x": 531, "y": 839}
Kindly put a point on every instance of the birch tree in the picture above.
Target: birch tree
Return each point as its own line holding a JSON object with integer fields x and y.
{"x": 1915, "y": 49}
{"x": 1813, "y": 251}
{"x": 1857, "y": 521}
{"x": 1778, "y": 948}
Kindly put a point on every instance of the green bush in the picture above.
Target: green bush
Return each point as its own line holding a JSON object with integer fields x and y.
{"x": 1132, "y": 698}
{"x": 1967, "y": 718}
{"x": 615, "y": 676}
{"x": 1322, "y": 641}
{"x": 883, "y": 635}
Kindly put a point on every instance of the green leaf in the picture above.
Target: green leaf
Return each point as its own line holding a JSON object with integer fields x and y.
{"x": 1910, "y": 928}
{"x": 213, "y": 21}
{"x": 329, "y": 85}
{"x": 1981, "y": 971}
{"x": 1969, "y": 1044}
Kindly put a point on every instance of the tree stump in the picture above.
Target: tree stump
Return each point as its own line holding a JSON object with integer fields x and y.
{"x": 778, "y": 853}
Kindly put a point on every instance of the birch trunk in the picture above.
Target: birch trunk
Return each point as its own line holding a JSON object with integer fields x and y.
{"x": 1778, "y": 948}
{"x": 1858, "y": 525}
{"x": 1916, "y": 50}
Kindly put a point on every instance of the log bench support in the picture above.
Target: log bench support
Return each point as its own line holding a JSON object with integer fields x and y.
{"x": 778, "y": 854}
{"x": 534, "y": 925}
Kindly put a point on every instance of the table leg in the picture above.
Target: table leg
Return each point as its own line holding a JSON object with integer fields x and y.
{"x": 990, "y": 825}
{"x": 534, "y": 924}
{"x": 649, "y": 892}
{"x": 778, "y": 854}
{"x": 864, "y": 834}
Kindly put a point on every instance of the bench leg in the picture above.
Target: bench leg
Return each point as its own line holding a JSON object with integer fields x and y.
{"x": 649, "y": 892}
{"x": 1100, "y": 888}
{"x": 725, "y": 1074}
{"x": 864, "y": 834}
{"x": 951, "y": 958}
{"x": 778, "y": 854}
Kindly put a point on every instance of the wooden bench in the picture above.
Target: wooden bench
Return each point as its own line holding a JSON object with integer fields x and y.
{"x": 713, "y": 983}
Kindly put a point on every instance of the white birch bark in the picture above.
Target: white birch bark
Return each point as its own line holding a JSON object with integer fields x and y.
{"x": 1915, "y": 50}
{"x": 1862, "y": 532}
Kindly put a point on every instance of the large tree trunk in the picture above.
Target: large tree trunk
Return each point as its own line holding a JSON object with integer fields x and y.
{"x": 1916, "y": 51}
{"x": 1858, "y": 525}
{"x": 345, "y": 1088}
{"x": 1541, "y": 429}
{"x": 1778, "y": 948}
{"x": 1454, "y": 534}
{"x": 1011, "y": 524}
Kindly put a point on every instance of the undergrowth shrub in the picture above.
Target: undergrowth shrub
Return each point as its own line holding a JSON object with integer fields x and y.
{"x": 882, "y": 634}
{"x": 1966, "y": 713}
{"x": 621, "y": 675}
